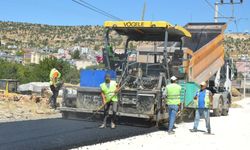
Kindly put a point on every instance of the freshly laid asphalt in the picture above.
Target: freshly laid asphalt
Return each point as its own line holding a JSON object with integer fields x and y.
{"x": 61, "y": 134}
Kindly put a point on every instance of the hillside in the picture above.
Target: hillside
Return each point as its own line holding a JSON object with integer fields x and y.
{"x": 26, "y": 35}
{"x": 237, "y": 44}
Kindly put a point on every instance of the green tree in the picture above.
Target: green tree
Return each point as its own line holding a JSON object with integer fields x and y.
{"x": 76, "y": 54}
{"x": 68, "y": 72}
{"x": 37, "y": 72}
{"x": 12, "y": 70}
{"x": 19, "y": 53}
{"x": 131, "y": 46}
{"x": 97, "y": 47}
{"x": 45, "y": 42}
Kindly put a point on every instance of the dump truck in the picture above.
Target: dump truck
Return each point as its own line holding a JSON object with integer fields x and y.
{"x": 193, "y": 53}
{"x": 207, "y": 62}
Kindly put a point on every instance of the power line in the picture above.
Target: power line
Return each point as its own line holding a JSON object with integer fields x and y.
{"x": 95, "y": 9}
{"x": 211, "y": 6}
{"x": 101, "y": 10}
{"x": 230, "y": 19}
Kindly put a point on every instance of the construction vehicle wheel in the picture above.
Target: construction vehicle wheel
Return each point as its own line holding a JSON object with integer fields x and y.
{"x": 218, "y": 111}
{"x": 225, "y": 112}
{"x": 229, "y": 97}
{"x": 226, "y": 109}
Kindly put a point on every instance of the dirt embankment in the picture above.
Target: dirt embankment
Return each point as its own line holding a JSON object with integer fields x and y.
{"x": 22, "y": 107}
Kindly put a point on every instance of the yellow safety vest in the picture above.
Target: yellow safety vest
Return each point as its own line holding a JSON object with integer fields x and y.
{"x": 51, "y": 75}
{"x": 173, "y": 93}
{"x": 109, "y": 92}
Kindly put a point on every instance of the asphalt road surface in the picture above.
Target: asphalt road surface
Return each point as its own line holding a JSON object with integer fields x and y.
{"x": 61, "y": 134}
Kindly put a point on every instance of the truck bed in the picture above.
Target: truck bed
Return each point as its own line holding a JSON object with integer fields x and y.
{"x": 205, "y": 50}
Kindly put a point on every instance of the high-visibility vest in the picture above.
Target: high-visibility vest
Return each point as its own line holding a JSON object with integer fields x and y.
{"x": 51, "y": 75}
{"x": 109, "y": 92}
{"x": 207, "y": 99}
{"x": 173, "y": 93}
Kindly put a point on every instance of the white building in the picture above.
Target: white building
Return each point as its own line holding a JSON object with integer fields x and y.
{"x": 12, "y": 47}
{"x": 34, "y": 57}
{"x": 61, "y": 51}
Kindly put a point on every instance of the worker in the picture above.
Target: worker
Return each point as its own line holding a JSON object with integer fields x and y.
{"x": 203, "y": 100}
{"x": 109, "y": 91}
{"x": 55, "y": 85}
{"x": 113, "y": 58}
{"x": 173, "y": 93}
{"x": 111, "y": 52}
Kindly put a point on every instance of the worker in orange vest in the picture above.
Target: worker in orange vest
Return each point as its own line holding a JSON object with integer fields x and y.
{"x": 55, "y": 85}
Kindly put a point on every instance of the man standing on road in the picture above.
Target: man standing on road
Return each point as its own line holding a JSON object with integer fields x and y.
{"x": 108, "y": 92}
{"x": 55, "y": 85}
{"x": 203, "y": 100}
{"x": 173, "y": 93}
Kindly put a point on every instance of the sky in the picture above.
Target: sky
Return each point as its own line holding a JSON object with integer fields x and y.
{"x": 67, "y": 12}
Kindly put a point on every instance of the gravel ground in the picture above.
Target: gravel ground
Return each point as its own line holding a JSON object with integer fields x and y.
{"x": 228, "y": 132}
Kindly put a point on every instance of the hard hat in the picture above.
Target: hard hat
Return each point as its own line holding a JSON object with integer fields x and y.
{"x": 203, "y": 83}
{"x": 173, "y": 78}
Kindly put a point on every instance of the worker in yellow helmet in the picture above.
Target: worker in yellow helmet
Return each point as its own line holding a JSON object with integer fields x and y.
{"x": 203, "y": 100}
{"x": 55, "y": 85}
{"x": 108, "y": 92}
{"x": 173, "y": 93}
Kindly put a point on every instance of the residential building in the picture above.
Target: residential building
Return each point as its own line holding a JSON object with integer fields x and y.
{"x": 34, "y": 57}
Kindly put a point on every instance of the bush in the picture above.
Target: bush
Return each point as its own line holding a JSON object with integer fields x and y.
{"x": 68, "y": 72}
{"x": 38, "y": 73}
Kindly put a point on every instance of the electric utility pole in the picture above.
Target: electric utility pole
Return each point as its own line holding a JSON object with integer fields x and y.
{"x": 225, "y": 2}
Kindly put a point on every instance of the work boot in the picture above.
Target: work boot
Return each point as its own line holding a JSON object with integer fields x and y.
{"x": 170, "y": 132}
{"x": 112, "y": 125}
{"x": 52, "y": 106}
{"x": 209, "y": 131}
{"x": 102, "y": 126}
{"x": 193, "y": 130}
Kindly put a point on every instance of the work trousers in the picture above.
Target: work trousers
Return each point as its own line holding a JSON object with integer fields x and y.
{"x": 172, "y": 111}
{"x": 53, "y": 98}
{"x": 107, "y": 109}
{"x": 198, "y": 113}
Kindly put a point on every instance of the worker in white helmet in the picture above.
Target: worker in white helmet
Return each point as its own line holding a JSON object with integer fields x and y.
{"x": 173, "y": 93}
